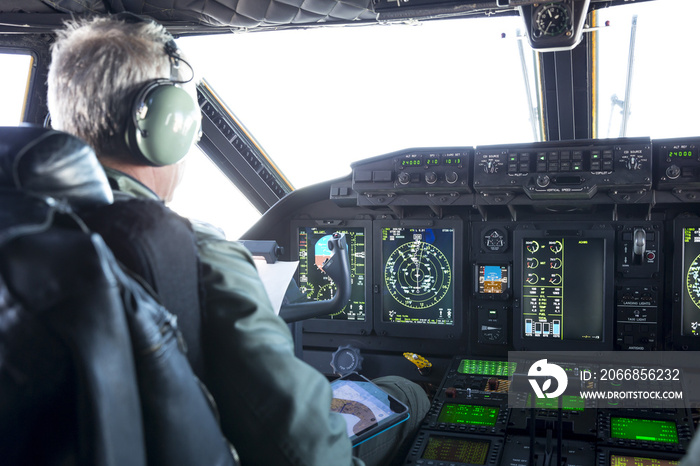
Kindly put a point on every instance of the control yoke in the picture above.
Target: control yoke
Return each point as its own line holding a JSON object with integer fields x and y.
{"x": 337, "y": 266}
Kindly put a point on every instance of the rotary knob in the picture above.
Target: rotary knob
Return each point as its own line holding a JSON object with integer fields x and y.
{"x": 673, "y": 172}
{"x": 404, "y": 178}
{"x": 430, "y": 177}
{"x": 451, "y": 177}
{"x": 543, "y": 181}
{"x": 346, "y": 359}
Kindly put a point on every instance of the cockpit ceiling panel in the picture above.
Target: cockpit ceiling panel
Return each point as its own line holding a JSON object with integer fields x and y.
{"x": 211, "y": 16}
{"x": 235, "y": 13}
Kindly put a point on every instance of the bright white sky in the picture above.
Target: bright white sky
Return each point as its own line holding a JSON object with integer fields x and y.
{"x": 319, "y": 99}
{"x": 13, "y": 87}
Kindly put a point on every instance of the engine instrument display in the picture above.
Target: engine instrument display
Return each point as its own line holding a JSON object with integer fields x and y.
{"x": 418, "y": 279}
{"x": 563, "y": 288}
{"x": 691, "y": 282}
{"x": 316, "y": 285}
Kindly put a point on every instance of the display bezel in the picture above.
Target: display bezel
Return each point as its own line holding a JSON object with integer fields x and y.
{"x": 453, "y": 331}
{"x": 574, "y": 230}
{"x": 680, "y": 340}
{"x": 320, "y": 325}
{"x": 424, "y": 438}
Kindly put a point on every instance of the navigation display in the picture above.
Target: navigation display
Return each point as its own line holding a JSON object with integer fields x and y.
{"x": 418, "y": 278}
{"x": 316, "y": 285}
{"x": 563, "y": 285}
{"x": 691, "y": 282}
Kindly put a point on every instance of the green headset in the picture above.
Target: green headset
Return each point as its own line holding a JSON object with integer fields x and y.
{"x": 164, "y": 120}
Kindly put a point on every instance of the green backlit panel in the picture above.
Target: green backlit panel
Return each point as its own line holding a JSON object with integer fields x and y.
{"x": 456, "y": 450}
{"x": 479, "y": 367}
{"x": 568, "y": 402}
{"x": 649, "y": 430}
{"x": 617, "y": 460}
{"x": 468, "y": 414}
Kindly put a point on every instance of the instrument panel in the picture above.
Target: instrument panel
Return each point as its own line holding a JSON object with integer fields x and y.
{"x": 504, "y": 246}
{"x": 463, "y": 255}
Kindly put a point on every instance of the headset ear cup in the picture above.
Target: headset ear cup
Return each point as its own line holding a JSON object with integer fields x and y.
{"x": 164, "y": 123}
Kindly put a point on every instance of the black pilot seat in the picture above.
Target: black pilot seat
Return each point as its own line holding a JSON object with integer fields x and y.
{"x": 91, "y": 371}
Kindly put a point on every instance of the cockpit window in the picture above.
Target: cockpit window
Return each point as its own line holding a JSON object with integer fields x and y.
{"x": 205, "y": 194}
{"x": 647, "y": 78}
{"x": 14, "y": 86}
{"x": 319, "y": 99}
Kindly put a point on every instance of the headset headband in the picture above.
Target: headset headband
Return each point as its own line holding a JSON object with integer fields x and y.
{"x": 171, "y": 49}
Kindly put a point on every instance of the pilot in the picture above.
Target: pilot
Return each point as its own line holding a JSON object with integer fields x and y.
{"x": 111, "y": 82}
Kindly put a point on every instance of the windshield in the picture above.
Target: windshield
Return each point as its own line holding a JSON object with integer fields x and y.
{"x": 658, "y": 81}
{"x": 318, "y": 99}
{"x": 14, "y": 86}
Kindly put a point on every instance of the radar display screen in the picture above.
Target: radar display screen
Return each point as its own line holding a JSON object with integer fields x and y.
{"x": 623, "y": 460}
{"x": 418, "y": 283}
{"x": 453, "y": 413}
{"x": 456, "y": 449}
{"x": 316, "y": 285}
{"x": 691, "y": 281}
{"x": 563, "y": 285}
{"x": 649, "y": 430}
{"x": 493, "y": 279}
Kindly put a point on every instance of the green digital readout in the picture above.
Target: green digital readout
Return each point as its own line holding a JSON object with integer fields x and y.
{"x": 453, "y": 161}
{"x": 412, "y": 162}
{"x": 432, "y": 161}
{"x": 650, "y": 430}
{"x": 452, "y": 413}
{"x": 685, "y": 154}
{"x": 568, "y": 403}
{"x": 456, "y": 450}
{"x": 480, "y": 367}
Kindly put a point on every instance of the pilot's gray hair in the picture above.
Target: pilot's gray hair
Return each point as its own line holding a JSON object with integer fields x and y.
{"x": 97, "y": 67}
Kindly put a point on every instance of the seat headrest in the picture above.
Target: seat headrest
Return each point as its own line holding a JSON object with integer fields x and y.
{"x": 52, "y": 163}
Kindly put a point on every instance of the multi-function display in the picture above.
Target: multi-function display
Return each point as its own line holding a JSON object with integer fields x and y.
{"x": 563, "y": 285}
{"x": 316, "y": 285}
{"x": 418, "y": 278}
{"x": 691, "y": 281}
